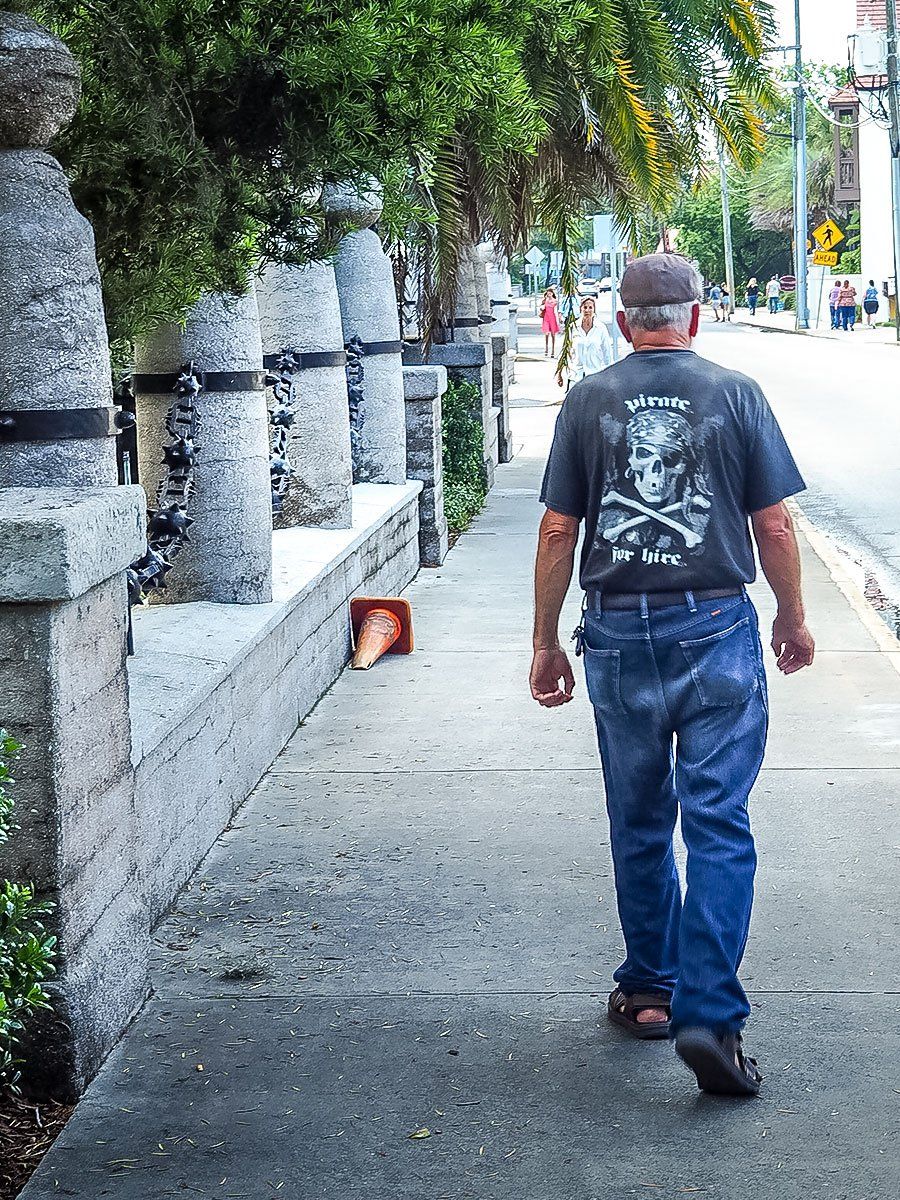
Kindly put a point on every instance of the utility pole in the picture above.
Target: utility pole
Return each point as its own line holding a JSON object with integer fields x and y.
{"x": 801, "y": 231}
{"x": 893, "y": 72}
{"x": 726, "y": 230}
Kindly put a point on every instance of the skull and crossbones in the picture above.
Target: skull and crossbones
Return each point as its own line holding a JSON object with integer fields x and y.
{"x": 659, "y": 445}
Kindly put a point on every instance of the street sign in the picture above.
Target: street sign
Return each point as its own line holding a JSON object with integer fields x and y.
{"x": 825, "y": 258}
{"x": 534, "y": 257}
{"x": 828, "y": 235}
{"x": 788, "y": 283}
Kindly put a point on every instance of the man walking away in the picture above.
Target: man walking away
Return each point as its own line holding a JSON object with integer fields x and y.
{"x": 752, "y": 296}
{"x": 665, "y": 457}
{"x": 834, "y": 300}
{"x": 870, "y": 303}
{"x": 715, "y": 299}
{"x": 726, "y": 303}
{"x": 847, "y": 303}
{"x": 773, "y": 293}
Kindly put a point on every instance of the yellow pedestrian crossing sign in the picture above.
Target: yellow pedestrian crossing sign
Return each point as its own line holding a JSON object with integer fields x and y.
{"x": 828, "y": 235}
{"x": 825, "y": 258}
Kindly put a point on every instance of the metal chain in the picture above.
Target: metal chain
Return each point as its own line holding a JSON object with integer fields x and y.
{"x": 282, "y": 416}
{"x": 168, "y": 524}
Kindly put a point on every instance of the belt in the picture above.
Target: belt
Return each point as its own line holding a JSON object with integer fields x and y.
{"x": 597, "y": 601}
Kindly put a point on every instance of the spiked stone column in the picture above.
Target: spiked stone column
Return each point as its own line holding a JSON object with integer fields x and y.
{"x": 368, "y": 301}
{"x": 53, "y": 346}
{"x": 299, "y": 311}
{"x": 228, "y": 557}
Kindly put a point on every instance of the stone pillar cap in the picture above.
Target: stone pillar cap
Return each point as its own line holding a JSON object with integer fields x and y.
{"x": 358, "y": 203}
{"x": 58, "y": 543}
{"x": 424, "y": 383}
{"x": 40, "y": 84}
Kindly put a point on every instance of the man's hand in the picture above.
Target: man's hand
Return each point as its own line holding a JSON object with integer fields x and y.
{"x": 793, "y": 643}
{"x": 549, "y": 668}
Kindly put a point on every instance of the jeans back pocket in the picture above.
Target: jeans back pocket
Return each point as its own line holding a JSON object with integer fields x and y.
{"x": 724, "y": 665}
{"x": 602, "y": 671}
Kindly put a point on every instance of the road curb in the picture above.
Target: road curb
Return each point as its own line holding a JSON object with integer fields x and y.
{"x": 804, "y": 333}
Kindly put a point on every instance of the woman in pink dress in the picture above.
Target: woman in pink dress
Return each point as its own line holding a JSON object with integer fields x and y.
{"x": 549, "y": 322}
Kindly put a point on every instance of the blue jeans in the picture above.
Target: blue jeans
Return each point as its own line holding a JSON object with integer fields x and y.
{"x": 680, "y": 701}
{"x": 835, "y": 319}
{"x": 848, "y": 316}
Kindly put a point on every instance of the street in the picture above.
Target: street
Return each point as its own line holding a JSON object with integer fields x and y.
{"x": 839, "y": 406}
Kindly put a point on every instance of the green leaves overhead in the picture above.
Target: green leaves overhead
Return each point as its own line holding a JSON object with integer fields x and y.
{"x": 207, "y": 126}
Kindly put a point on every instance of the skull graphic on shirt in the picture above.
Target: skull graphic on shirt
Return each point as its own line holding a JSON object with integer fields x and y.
{"x": 658, "y": 444}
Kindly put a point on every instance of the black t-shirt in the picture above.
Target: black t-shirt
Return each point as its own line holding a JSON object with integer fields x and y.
{"x": 664, "y": 455}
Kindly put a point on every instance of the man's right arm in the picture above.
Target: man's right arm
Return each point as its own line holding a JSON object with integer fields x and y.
{"x": 780, "y": 559}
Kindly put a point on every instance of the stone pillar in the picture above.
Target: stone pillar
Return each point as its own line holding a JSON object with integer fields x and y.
{"x": 53, "y": 345}
{"x": 228, "y": 555}
{"x": 465, "y": 326}
{"x": 500, "y": 396}
{"x": 498, "y": 289}
{"x": 424, "y": 387}
{"x": 63, "y": 612}
{"x": 482, "y": 293}
{"x": 513, "y": 338}
{"x": 468, "y": 362}
{"x": 368, "y": 301}
{"x": 299, "y": 312}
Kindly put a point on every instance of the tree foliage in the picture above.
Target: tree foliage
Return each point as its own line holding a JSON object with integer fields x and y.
{"x": 698, "y": 220}
{"x": 208, "y": 126}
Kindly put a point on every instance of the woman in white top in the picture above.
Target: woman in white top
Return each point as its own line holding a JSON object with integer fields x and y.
{"x": 591, "y": 348}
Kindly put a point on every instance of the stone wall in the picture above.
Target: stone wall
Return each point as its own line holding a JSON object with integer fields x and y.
{"x": 216, "y": 690}
{"x": 64, "y": 697}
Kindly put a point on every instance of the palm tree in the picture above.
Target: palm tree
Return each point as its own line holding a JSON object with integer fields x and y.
{"x": 627, "y": 92}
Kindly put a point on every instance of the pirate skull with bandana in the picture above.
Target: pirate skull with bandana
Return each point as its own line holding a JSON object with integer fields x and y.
{"x": 663, "y": 502}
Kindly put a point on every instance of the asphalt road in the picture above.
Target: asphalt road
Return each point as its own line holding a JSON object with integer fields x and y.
{"x": 839, "y": 406}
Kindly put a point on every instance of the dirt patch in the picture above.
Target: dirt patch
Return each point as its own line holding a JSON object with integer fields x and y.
{"x": 27, "y": 1132}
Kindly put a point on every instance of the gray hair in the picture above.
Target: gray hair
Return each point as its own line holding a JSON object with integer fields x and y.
{"x": 661, "y": 316}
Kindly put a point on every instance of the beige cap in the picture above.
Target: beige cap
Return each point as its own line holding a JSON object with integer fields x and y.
{"x": 658, "y": 279}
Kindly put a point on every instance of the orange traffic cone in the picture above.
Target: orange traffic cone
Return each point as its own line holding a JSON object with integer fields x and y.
{"x": 380, "y": 626}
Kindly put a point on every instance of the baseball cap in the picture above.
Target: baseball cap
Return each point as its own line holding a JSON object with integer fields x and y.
{"x": 658, "y": 279}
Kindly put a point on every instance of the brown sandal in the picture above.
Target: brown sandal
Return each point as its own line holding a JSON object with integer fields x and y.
{"x": 624, "y": 1009}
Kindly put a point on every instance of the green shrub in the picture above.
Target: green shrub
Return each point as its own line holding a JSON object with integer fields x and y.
{"x": 462, "y": 455}
{"x": 790, "y": 301}
{"x": 26, "y": 949}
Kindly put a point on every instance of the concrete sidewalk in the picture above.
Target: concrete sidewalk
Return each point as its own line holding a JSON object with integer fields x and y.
{"x": 786, "y": 322}
{"x": 411, "y": 926}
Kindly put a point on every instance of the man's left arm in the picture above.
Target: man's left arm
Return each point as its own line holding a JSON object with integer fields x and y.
{"x": 552, "y": 681}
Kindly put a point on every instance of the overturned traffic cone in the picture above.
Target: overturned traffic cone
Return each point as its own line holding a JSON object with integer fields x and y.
{"x": 380, "y": 626}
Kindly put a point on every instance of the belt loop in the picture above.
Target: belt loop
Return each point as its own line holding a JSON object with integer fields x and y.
{"x": 690, "y": 601}
{"x": 744, "y": 593}
{"x": 645, "y": 607}
{"x": 598, "y": 603}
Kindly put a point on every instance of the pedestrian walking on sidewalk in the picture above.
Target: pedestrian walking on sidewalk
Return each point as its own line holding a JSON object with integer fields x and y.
{"x": 847, "y": 305}
{"x": 752, "y": 296}
{"x": 591, "y": 349}
{"x": 773, "y": 293}
{"x": 834, "y": 299}
{"x": 715, "y": 299}
{"x": 665, "y": 457}
{"x": 726, "y": 303}
{"x": 549, "y": 322}
{"x": 870, "y": 303}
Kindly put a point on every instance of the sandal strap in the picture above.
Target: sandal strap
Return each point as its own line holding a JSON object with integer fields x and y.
{"x": 637, "y": 1001}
